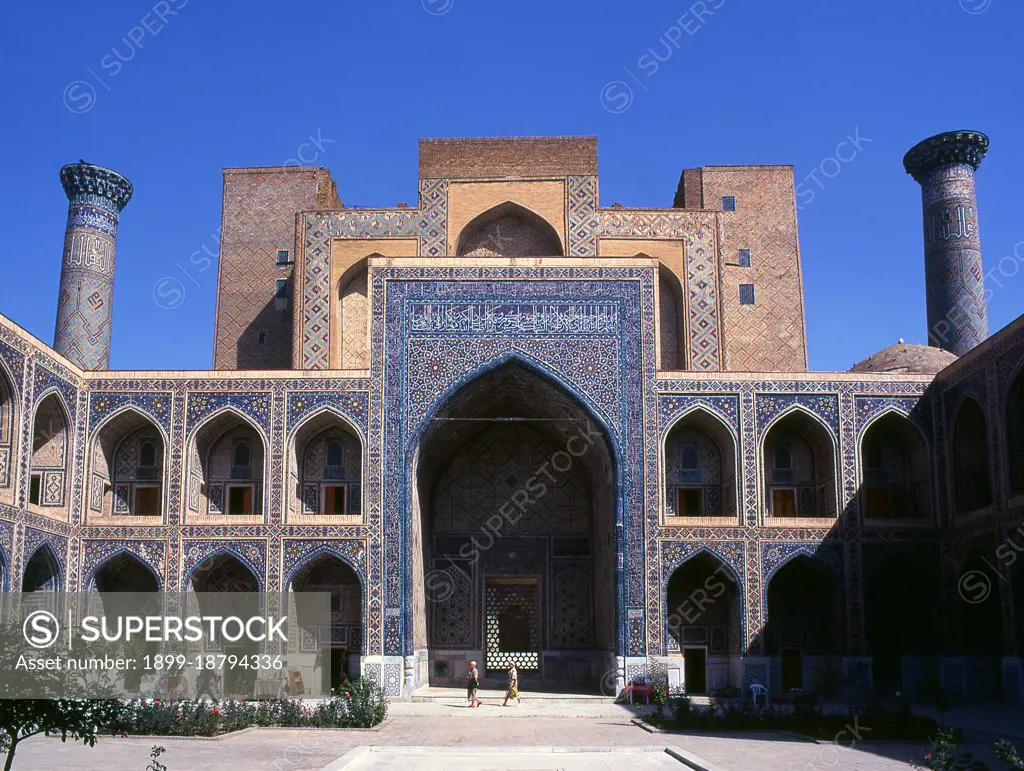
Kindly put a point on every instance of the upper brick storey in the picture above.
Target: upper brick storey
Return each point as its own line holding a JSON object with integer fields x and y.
{"x": 507, "y": 157}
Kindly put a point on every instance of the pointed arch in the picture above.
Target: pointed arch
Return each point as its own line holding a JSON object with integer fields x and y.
{"x": 136, "y": 573}
{"x": 215, "y": 485}
{"x": 51, "y": 441}
{"x": 803, "y": 617}
{"x": 9, "y": 414}
{"x": 700, "y": 465}
{"x": 127, "y": 458}
{"x": 315, "y": 486}
{"x": 481, "y": 442}
{"x": 1015, "y": 433}
{"x": 671, "y": 315}
{"x": 202, "y": 575}
{"x": 972, "y": 477}
{"x": 354, "y": 314}
{"x": 798, "y": 453}
{"x": 895, "y": 468}
{"x": 704, "y": 607}
{"x": 42, "y": 572}
{"x": 509, "y": 229}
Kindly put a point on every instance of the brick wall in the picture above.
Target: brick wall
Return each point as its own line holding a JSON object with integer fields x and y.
{"x": 259, "y": 217}
{"x": 507, "y": 157}
{"x": 770, "y": 335}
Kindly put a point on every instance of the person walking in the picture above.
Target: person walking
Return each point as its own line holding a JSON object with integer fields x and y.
{"x": 512, "y": 692}
{"x": 472, "y": 685}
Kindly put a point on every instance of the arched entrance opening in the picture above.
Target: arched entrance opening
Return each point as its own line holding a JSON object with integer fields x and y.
{"x": 804, "y": 628}
{"x": 973, "y": 479}
{"x": 126, "y": 472}
{"x": 42, "y": 572}
{"x": 8, "y": 422}
{"x": 220, "y": 574}
{"x": 513, "y": 530}
{"x": 325, "y": 466}
{"x": 1015, "y": 434}
{"x": 700, "y": 468}
{"x": 703, "y": 622}
{"x": 128, "y": 587}
{"x": 799, "y": 468}
{"x": 227, "y": 468}
{"x": 340, "y": 643}
{"x": 48, "y": 477}
{"x": 903, "y": 623}
{"x": 979, "y": 631}
{"x": 895, "y": 465}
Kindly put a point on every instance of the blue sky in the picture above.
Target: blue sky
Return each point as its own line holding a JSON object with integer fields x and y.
{"x": 246, "y": 84}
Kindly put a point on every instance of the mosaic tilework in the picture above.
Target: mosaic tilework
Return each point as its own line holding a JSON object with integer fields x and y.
{"x": 152, "y": 554}
{"x": 298, "y": 553}
{"x": 33, "y": 539}
{"x": 703, "y": 306}
{"x": 581, "y": 203}
{"x": 549, "y": 285}
{"x": 155, "y": 405}
{"x": 957, "y": 317}
{"x": 428, "y": 224}
{"x": 252, "y": 554}
{"x": 729, "y": 553}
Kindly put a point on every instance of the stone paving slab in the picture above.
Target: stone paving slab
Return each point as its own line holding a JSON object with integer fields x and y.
{"x": 497, "y": 758}
{"x": 284, "y": 749}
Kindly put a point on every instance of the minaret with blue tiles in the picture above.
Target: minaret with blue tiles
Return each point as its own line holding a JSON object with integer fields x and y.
{"x": 85, "y": 305}
{"x": 944, "y": 166}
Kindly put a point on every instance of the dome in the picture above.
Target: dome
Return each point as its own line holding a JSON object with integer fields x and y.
{"x": 907, "y": 357}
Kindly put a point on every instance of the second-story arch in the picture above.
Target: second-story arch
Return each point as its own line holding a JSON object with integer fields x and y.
{"x": 509, "y": 230}
{"x": 126, "y": 473}
{"x": 227, "y": 467}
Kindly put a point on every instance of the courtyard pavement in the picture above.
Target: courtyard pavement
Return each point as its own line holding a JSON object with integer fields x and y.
{"x": 540, "y": 734}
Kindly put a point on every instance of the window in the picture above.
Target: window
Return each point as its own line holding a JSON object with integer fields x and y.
{"x": 281, "y": 289}
{"x": 783, "y": 458}
{"x": 352, "y": 501}
{"x": 334, "y": 454}
{"x": 744, "y": 258}
{"x": 746, "y": 294}
{"x": 728, "y": 203}
{"x": 147, "y": 501}
{"x": 334, "y": 499}
{"x": 240, "y": 499}
{"x": 34, "y": 487}
{"x": 873, "y": 453}
{"x": 284, "y": 257}
{"x": 147, "y": 455}
{"x": 689, "y": 502}
{"x": 783, "y": 502}
{"x": 240, "y": 455}
{"x": 877, "y": 501}
{"x": 688, "y": 456}
{"x": 261, "y": 337}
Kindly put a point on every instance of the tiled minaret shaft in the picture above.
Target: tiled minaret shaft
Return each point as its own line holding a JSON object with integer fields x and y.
{"x": 85, "y": 305}
{"x": 944, "y": 166}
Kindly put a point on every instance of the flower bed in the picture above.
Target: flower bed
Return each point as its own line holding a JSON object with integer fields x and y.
{"x": 874, "y": 723}
{"x": 362, "y": 705}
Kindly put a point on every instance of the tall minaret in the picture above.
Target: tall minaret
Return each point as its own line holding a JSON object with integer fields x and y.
{"x": 944, "y": 166}
{"x": 96, "y": 197}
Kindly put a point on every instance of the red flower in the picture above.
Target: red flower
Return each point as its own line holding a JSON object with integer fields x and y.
{"x": 928, "y": 756}
{"x": 157, "y": 701}
{"x": 348, "y": 695}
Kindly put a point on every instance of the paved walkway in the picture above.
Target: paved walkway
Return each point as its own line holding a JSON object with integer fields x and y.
{"x": 452, "y": 737}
